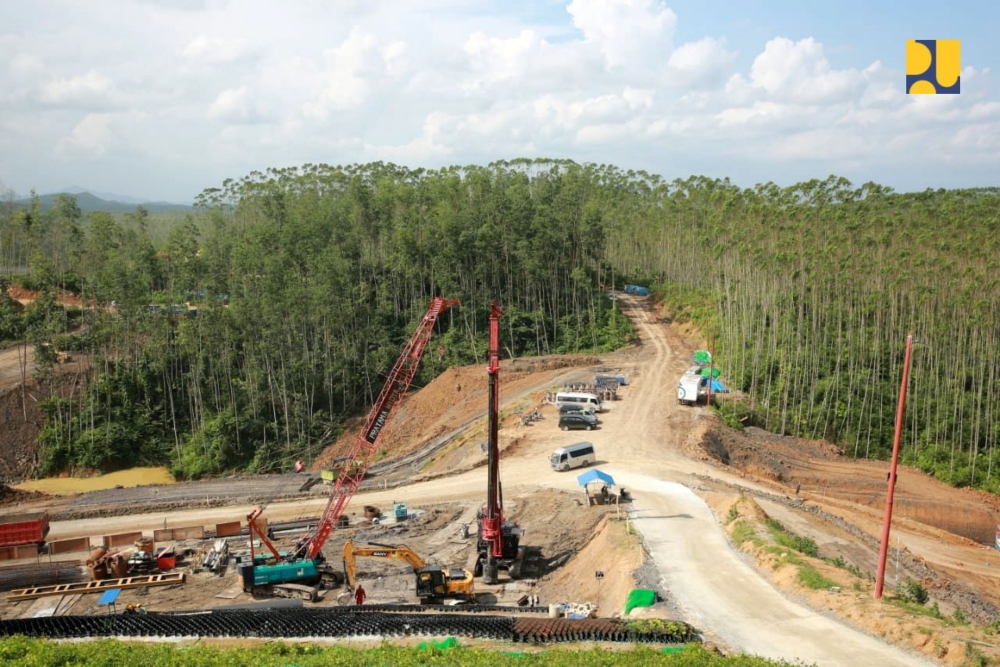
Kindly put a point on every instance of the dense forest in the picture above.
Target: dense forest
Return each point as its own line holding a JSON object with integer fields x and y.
{"x": 307, "y": 281}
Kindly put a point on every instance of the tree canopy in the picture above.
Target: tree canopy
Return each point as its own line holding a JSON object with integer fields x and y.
{"x": 307, "y": 281}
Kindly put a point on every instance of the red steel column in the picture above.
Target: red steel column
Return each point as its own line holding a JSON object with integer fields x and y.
{"x": 880, "y": 578}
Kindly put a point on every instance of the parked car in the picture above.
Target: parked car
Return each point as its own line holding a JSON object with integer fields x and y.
{"x": 568, "y": 422}
{"x": 577, "y": 410}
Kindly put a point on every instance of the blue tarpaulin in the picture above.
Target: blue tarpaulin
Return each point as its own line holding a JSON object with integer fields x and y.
{"x": 718, "y": 387}
{"x": 595, "y": 475}
{"x": 109, "y": 597}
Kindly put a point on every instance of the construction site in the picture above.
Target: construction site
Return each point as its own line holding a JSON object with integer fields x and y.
{"x": 456, "y": 509}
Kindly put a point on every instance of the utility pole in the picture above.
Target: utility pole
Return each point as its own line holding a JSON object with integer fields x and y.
{"x": 900, "y": 411}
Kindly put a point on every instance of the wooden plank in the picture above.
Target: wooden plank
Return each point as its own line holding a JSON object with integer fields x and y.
{"x": 231, "y": 593}
{"x": 97, "y": 586}
{"x": 42, "y": 608}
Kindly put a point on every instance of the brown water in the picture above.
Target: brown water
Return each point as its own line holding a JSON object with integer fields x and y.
{"x": 61, "y": 486}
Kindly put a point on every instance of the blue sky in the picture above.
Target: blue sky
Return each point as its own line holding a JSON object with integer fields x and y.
{"x": 163, "y": 98}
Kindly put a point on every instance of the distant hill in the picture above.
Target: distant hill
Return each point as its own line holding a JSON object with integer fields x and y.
{"x": 88, "y": 202}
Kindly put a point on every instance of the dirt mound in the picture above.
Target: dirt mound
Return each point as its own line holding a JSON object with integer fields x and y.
{"x": 453, "y": 399}
{"x": 9, "y": 496}
{"x": 817, "y": 467}
{"x": 26, "y": 296}
{"x": 21, "y": 421}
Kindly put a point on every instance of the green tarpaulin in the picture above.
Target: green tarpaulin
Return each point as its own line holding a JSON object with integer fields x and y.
{"x": 640, "y": 597}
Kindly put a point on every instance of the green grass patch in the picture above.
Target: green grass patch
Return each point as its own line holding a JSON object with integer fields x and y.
{"x": 810, "y": 577}
{"x": 743, "y": 532}
{"x": 785, "y": 556}
{"x": 839, "y": 562}
{"x": 932, "y": 611}
{"x": 781, "y": 535}
{"x": 22, "y": 652}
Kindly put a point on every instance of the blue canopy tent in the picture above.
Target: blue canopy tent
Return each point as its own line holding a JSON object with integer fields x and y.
{"x": 595, "y": 475}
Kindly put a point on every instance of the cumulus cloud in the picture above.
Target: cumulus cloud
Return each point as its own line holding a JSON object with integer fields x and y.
{"x": 91, "y": 137}
{"x": 351, "y": 71}
{"x": 234, "y": 105}
{"x": 627, "y": 32}
{"x": 703, "y": 63}
{"x": 224, "y": 87}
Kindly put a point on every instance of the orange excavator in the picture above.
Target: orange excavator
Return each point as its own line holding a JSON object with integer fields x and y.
{"x": 434, "y": 583}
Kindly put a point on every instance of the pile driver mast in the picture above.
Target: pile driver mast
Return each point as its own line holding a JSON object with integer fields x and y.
{"x": 499, "y": 540}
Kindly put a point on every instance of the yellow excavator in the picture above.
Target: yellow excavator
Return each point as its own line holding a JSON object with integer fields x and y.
{"x": 434, "y": 583}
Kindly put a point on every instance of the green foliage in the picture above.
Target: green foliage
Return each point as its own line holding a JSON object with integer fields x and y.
{"x": 810, "y": 577}
{"x": 224, "y": 443}
{"x": 670, "y": 631}
{"x": 913, "y": 607}
{"x": 837, "y": 561}
{"x": 743, "y": 532}
{"x": 732, "y": 514}
{"x": 118, "y": 425}
{"x": 308, "y": 280}
{"x": 733, "y": 413}
{"x": 22, "y": 652}
{"x": 912, "y": 591}
{"x": 804, "y": 545}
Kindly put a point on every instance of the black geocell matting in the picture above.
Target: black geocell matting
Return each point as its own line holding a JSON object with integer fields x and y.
{"x": 334, "y": 622}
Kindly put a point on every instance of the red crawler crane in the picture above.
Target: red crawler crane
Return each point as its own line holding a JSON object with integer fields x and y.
{"x": 305, "y": 563}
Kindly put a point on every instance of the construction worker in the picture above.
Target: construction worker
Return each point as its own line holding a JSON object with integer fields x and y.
{"x": 360, "y": 595}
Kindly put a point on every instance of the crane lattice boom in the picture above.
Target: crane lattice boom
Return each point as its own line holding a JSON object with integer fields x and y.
{"x": 365, "y": 446}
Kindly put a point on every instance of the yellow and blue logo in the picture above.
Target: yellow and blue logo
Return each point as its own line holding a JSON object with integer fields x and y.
{"x": 933, "y": 66}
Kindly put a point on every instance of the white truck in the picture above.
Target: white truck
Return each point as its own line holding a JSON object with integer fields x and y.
{"x": 692, "y": 387}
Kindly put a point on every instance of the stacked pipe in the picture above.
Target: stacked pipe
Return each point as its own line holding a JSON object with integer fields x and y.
{"x": 40, "y": 574}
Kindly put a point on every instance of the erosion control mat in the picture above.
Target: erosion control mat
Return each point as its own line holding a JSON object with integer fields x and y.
{"x": 319, "y": 623}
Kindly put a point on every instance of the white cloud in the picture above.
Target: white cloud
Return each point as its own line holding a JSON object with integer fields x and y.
{"x": 702, "y": 63}
{"x": 91, "y": 135}
{"x": 25, "y": 66}
{"x": 627, "y": 32}
{"x": 351, "y": 71}
{"x": 211, "y": 89}
{"x": 91, "y": 88}
{"x": 214, "y": 51}
{"x": 235, "y": 106}
{"x": 800, "y": 72}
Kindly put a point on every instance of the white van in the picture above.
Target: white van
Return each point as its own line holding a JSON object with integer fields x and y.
{"x": 588, "y": 401}
{"x": 573, "y": 456}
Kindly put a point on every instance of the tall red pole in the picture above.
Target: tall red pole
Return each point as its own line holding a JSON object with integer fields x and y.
{"x": 880, "y": 579}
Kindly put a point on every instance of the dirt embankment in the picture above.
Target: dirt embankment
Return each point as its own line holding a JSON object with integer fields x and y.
{"x": 451, "y": 400}
{"x": 22, "y": 421}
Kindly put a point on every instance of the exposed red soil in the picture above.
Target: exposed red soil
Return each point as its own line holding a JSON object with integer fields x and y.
{"x": 455, "y": 397}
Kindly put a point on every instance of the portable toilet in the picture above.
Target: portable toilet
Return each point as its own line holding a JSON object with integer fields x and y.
{"x": 399, "y": 511}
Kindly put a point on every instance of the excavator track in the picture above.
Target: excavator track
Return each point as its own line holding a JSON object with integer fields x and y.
{"x": 319, "y": 623}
